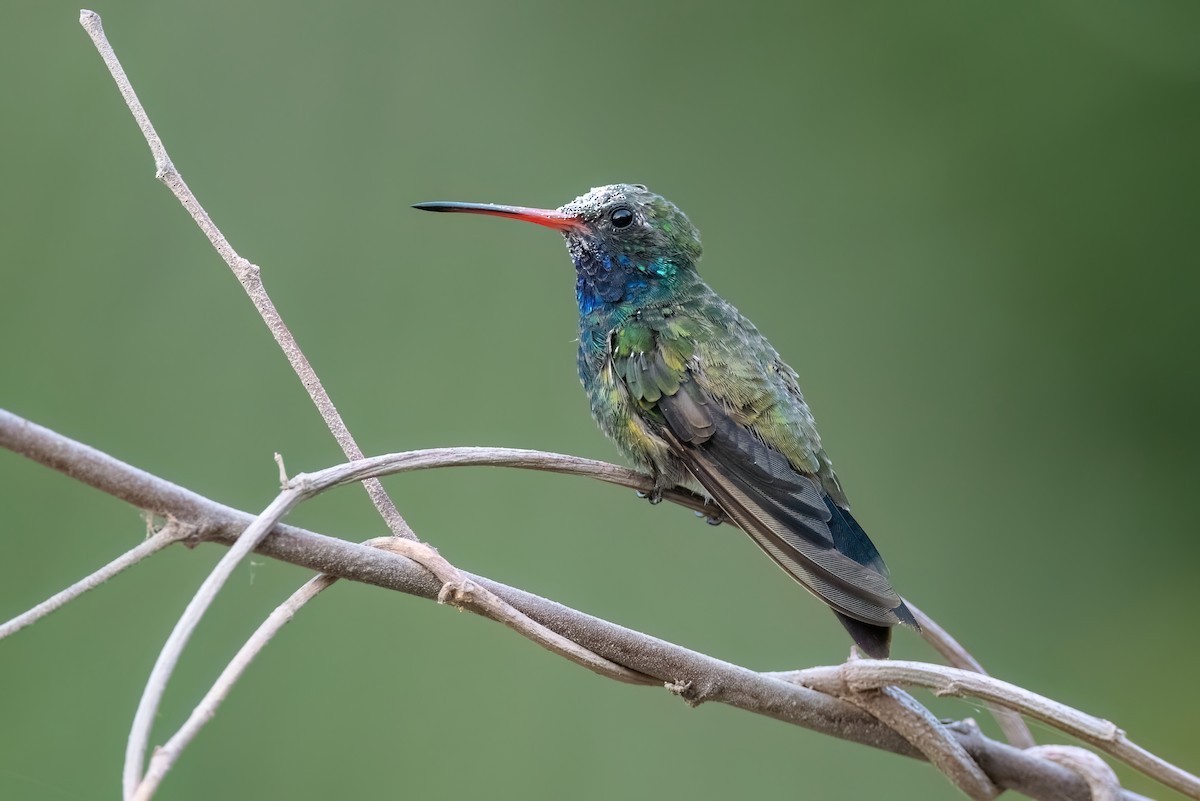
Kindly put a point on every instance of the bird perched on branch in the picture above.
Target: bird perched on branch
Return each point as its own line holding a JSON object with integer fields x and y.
{"x": 690, "y": 390}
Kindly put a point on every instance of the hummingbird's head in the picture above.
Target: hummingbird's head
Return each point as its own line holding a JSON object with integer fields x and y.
{"x": 629, "y": 220}
{"x": 625, "y": 240}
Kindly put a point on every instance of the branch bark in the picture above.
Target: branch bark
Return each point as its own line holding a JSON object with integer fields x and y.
{"x": 871, "y": 675}
{"x": 696, "y": 677}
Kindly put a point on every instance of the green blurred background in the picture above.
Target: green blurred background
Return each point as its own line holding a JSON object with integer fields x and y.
{"x": 971, "y": 227}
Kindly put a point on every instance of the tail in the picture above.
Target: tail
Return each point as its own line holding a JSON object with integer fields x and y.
{"x": 874, "y": 641}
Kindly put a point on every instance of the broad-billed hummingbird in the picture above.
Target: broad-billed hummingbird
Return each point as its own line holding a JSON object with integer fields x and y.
{"x": 691, "y": 391}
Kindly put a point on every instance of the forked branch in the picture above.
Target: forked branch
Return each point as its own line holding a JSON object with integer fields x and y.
{"x": 696, "y": 677}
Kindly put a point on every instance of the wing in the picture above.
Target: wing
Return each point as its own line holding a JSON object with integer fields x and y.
{"x": 783, "y": 507}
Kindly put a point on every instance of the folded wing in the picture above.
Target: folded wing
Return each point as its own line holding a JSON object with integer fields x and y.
{"x": 783, "y": 509}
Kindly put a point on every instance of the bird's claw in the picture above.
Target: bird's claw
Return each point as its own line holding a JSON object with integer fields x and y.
{"x": 654, "y": 496}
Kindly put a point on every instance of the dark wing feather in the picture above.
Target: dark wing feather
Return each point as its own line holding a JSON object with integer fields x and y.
{"x": 787, "y": 514}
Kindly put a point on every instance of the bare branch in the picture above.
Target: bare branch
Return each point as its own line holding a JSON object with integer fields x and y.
{"x": 456, "y": 588}
{"x": 697, "y": 677}
{"x": 1012, "y": 724}
{"x": 164, "y": 666}
{"x": 165, "y": 756}
{"x": 145, "y": 491}
{"x": 1101, "y": 779}
{"x": 172, "y": 532}
{"x": 899, "y": 710}
{"x": 459, "y": 590}
{"x": 467, "y": 595}
{"x": 249, "y": 275}
{"x": 873, "y": 674}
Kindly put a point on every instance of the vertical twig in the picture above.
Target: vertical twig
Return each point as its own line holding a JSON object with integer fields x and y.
{"x": 248, "y": 274}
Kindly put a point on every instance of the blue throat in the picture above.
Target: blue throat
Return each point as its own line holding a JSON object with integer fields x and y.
{"x": 605, "y": 280}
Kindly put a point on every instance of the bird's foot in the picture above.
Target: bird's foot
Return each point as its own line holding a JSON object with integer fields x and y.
{"x": 654, "y": 496}
{"x": 712, "y": 520}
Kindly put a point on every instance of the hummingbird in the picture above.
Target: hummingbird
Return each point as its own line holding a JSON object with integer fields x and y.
{"x": 691, "y": 392}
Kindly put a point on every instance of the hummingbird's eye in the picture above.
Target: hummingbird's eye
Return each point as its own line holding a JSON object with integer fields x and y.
{"x": 621, "y": 217}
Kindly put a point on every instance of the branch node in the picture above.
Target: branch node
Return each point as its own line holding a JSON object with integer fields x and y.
{"x": 829, "y": 680}
{"x": 1100, "y": 778}
{"x": 247, "y": 271}
{"x": 164, "y": 170}
{"x": 179, "y": 530}
{"x": 302, "y": 483}
{"x": 458, "y": 593}
{"x": 950, "y": 689}
{"x": 692, "y": 695}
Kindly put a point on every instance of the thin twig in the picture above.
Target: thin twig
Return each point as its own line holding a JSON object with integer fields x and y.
{"x": 459, "y": 590}
{"x": 872, "y": 674}
{"x": 1012, "y": 724}
{"x": 456, "y": 588}
{"x": 467, "y": 595}
{"x": 169, "y": 534}
{"x": 700, "y": 677}
{"x": 248, "y": 274}
{"x": 168, "y": 657}
{"x": 166, "y": 755}
{"x": 145, "y": 491}
{"x": 902, "y": 712}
